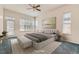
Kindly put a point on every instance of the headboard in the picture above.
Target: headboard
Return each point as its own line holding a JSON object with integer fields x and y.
{"x": 49, "y": 31}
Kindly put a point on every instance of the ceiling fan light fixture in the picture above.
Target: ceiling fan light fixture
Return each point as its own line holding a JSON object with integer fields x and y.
{"x": 35, "y": 7}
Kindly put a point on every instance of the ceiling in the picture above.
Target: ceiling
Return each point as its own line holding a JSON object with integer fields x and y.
{"x": 22, "y": 8}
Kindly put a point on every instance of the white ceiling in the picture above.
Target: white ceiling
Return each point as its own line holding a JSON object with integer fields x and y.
{"x": 23, "y": 8}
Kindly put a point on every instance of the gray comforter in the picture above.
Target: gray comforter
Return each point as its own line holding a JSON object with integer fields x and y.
{"x": 36, "y": 37}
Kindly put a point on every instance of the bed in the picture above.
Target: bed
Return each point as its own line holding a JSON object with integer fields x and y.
{"x": 37, "y": 40}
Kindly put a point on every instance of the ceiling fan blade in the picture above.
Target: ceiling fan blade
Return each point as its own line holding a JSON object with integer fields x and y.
{"x": 34, "y": 7}
{"x": 38, "y": 6}
{"x": 38, "y": 9}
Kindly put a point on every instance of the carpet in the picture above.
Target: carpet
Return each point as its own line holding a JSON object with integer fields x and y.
{"x": 5, "y": 47}
{"x": 17, "y": 49}
{"x": 67, "y": 48}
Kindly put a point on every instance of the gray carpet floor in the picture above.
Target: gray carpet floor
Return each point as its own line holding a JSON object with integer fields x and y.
{"x": 5, "y": 47}
{"x": 67, "y": 48}
{"x": 64, "y": 48}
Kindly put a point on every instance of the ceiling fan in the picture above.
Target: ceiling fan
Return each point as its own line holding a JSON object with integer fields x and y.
{"x": 35, "y": 7}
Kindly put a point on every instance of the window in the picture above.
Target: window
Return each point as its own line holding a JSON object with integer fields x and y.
{"x": 10, "y": 25}
{"x": 22, "y": 24}
{"x": 67, "y": 23}
{"x": 37, "y": 23}
{"x": 26, "y": 25}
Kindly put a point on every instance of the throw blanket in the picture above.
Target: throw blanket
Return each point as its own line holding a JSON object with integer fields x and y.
{"x": 36, "y": 37}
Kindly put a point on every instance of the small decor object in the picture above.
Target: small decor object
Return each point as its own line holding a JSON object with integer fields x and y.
{"x": 4, "y": 33}
{"x": 58, "y": 36}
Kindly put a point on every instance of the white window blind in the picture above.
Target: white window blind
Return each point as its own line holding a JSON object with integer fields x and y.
{"x": 26, "y": 25}
{"x": 67, "y": 23}
{"x": 10, "y": 25}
